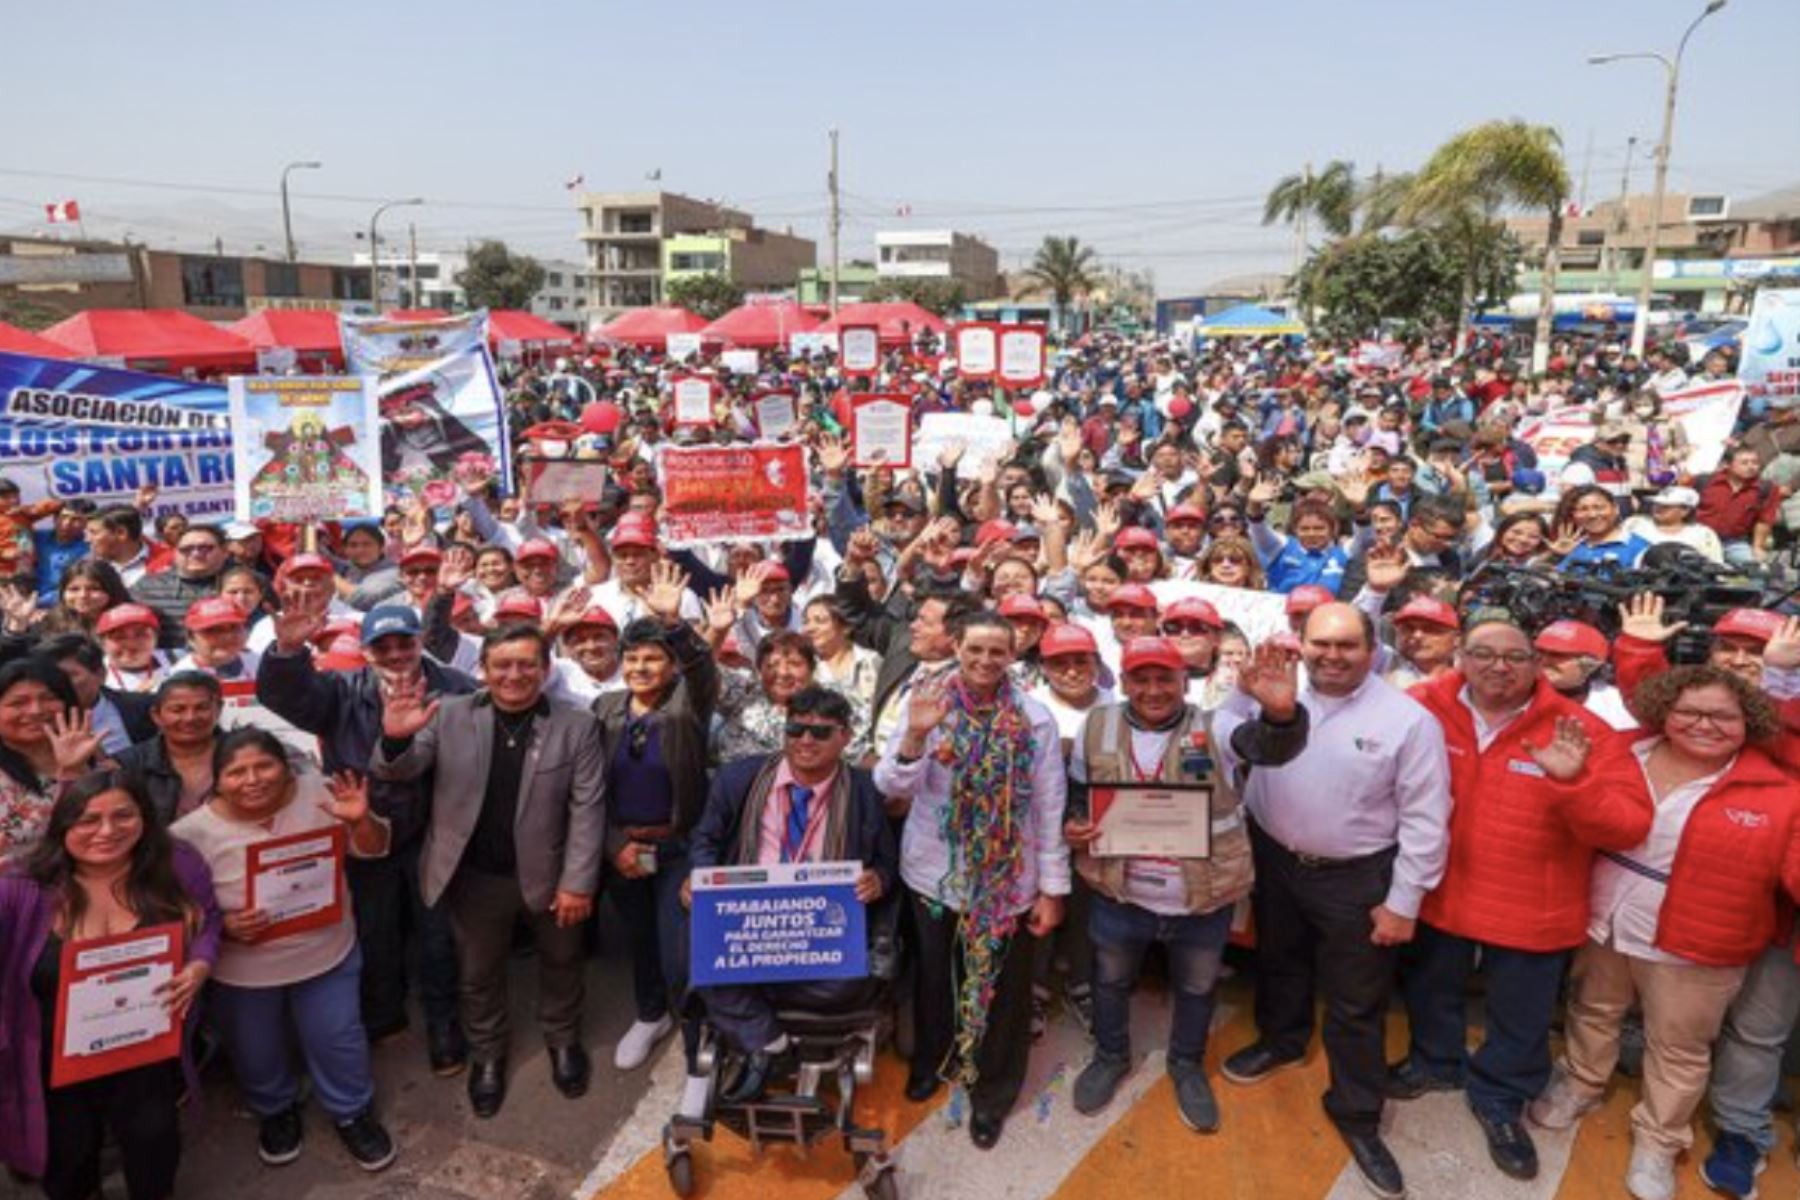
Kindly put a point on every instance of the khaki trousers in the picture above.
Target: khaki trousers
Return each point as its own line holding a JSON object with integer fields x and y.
{"x": 1684, "y": 1006}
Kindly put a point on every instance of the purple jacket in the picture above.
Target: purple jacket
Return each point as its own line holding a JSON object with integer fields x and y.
{"x": 26, "y": 911}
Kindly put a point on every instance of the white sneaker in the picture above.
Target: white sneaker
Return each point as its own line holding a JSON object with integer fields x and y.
{"x": 1561, "y": 1104}
{"x": 635, "y": 1047}
{"x": 1651, "y": 1175}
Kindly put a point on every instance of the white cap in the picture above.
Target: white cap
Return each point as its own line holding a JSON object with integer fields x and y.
{"x": 1684, "y": 496}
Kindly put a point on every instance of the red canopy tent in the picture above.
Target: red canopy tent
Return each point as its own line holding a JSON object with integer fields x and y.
{"x": 762, "y": 325}
{"x": 312, "y": 335}
{"x": 14, "y": 340}
{"x": 153, "y": 339}
{"x": 899, "y": 320}
{"x": 649, "y": 328}
{"x": 527, "y": 329}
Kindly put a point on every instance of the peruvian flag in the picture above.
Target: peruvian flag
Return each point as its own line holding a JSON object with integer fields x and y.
{"x": 63, "y": 212}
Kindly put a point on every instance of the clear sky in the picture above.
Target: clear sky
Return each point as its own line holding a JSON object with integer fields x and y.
{"x": 1152, "y": 130}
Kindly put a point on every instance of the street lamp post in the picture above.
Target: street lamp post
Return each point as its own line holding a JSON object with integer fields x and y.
{"x": 375, "y": 248}
{"x": 287, "y": 221}
{"x": 1640, "y": 325}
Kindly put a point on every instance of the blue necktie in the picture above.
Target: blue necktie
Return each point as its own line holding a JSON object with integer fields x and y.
{"x": 799, "y": 801}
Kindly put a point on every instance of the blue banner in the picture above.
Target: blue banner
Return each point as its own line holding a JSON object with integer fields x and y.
{"x": 1770, "y": 365}
{"x": 777, "y": 924}
{"x": 71, "y": 431}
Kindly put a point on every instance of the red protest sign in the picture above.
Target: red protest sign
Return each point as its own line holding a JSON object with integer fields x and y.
{"x": 729, "y": 493}
{"x": 977, "y": 350}
{"x": 110, "y": 1015}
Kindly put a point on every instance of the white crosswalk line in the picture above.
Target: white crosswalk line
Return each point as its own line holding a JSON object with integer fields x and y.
{"x": 1443, "y": 1153}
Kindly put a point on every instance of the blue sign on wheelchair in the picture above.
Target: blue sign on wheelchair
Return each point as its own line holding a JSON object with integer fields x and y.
{"x": 777, "y": 924}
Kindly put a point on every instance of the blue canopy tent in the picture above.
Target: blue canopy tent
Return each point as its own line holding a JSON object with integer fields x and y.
{"x": 1249, "y": 320}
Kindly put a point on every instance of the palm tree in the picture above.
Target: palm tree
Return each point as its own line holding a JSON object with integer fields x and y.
{"x": 1329, "y": 195}
{"x": 1380, "y": 199}
{"x": 1494, "y": 166}
{"x": 1065, "y": 268}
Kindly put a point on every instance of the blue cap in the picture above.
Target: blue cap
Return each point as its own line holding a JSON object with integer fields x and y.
{"x": 389, "y": 618}
{"x": 1529, "y": 482}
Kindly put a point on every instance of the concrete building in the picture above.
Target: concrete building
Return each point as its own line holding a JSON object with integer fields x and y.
{"x": 755, "y": 259}
{"x": 856, "y": 280}
{"x": 939, "y": 254}
{"x": 562, "y": 299}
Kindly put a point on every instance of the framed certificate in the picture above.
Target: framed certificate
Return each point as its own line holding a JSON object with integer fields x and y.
{"x": 1152, "y": 820}
{"x": 109, "y": 1017}
{"x": 881, "y": 430}
{"x": 298, "y": 880}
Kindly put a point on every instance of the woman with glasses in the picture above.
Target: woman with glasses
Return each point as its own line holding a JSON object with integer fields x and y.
{"x": 1675, "y": 920}
{"x": 752, "y": 709}
{"x": 1231, "y": 561}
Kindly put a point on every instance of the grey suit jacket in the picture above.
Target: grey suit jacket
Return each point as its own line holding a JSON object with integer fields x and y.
{"x": 560, "y": 824}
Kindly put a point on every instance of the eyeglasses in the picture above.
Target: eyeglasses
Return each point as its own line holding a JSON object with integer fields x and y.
{"x": 197, "y": 548}
{"x": 1186, "y": 628}
{"x": 818, "y": 733}
{"x": 1701, "y": 716}
{"x": 1216, "y": 522}
{"x": 1239, "y": 559}
{"x": 1486, "y": 657}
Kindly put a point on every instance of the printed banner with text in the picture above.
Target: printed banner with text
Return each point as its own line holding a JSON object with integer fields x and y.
{"x": 714, "y": 494}
{"x": 1771, "y": 362}
{"x": 71, "y": 431}
{"x": 308, "y": 448}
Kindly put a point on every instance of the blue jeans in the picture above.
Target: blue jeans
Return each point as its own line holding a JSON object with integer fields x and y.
{"x": 324, "y": 1015}
{"x": 1512, "y": 1064}
{"x": 1747, "y": 1058}
{"x": 657, "y": 926}
{"x": 1121, "y": 934}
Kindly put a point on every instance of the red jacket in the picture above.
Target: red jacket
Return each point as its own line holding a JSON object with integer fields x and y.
{"x": 1636, "y": 660}
{"x": 1738, "y": 852}
{"x": 1522, "y": 844}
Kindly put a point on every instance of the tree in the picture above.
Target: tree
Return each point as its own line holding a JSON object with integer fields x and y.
{"x": 1415, "y": 278}
{"x": 1329, "y": 196}
{"x": 1065, "y": 268}
{"x": 941, "y": 296}
{"x": 1380, "y": 200}
{"x": 711, "y": 295}
{"x": 498, "y": 278}
{"x": 1492, "y": 167}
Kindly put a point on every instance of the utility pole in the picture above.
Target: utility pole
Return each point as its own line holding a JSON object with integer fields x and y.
{"x": 412, "y": 250}
{"x": 1620, "y": 219}
{"x": 287, "y": 222}
{"x": 836, "y": 222}
{"x": 1587, "y": 159}
{"x": 375, "y": 247}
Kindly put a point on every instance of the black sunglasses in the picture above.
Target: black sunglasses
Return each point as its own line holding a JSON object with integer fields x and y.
{"x": 818, "y": 733}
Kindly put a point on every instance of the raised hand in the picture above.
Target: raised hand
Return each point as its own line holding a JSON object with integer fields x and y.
{"x": 1265, "y": 491}
{"x": 927, "y": 706}
{"x": 19, "y": 608}
{"x": 668, "y": 583}
{"x": 73, "y": 741}
{"x": 145, "y": 498}
{"x": 1107, "y": 522}
{"x": 349, "y": 801}
{"x": 1642, "y": 618}
{"x": 1386, "y": 567}
{"x": 405, "y": 711}
{"x": 1068, "y": 441}
{"x": 750, "y": 582}
{"x": 1355, "y": 488}
{"x": 1783, "y": 649}
{"x": 1567, "y": 538}
{"x": 1272, "y": 679}
{"x": 299, "y": 620}
{"x": 951, "y": 454}
{"x": 721, "y": 614}
{"x": 1563, "y": 757}
{"x": 1044, "y": 512}
{"x": 862, "y": 546}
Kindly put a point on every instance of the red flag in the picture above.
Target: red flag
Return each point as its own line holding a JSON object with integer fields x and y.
{"x": 63, "y": 212}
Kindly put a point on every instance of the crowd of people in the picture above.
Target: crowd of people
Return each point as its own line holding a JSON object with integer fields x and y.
{"x": 1236, "y": 571}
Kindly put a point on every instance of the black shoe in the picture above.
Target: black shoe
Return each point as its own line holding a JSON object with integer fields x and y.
{"x": 367, "y": 1142}
{"x": 487, "y": 1086}
{"x": 279, "y": 1137}
{"x": 1510, "y": 1146}
{"x": 920, "y": 1089}
{"x": 985, "y": 1130}
{"x": 448, "y": 1051}
{"x": 1407, "y": 1080}
{"x": 759, "y": 1069}
{"x": 1380, "y": 1173}
{"x": 569, "y": 1070}
{"x": 1256, "y": 1062}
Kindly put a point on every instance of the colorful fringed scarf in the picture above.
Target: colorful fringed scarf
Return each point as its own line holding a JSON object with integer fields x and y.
{"x": 985, "y": 828}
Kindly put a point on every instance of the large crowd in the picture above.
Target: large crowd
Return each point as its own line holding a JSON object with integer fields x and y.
{"x": 1240, "y": 572}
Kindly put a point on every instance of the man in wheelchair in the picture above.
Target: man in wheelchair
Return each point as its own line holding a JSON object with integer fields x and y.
{"x": 805, "y": 804}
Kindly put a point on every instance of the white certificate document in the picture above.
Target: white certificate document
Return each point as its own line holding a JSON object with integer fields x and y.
{"x": 693, "y": 401}
{"x": 882, "y": 433}
{"x": 1152, "y": 821}
{"x": 115, "y": 1009}
{"x": 296, "y": 879}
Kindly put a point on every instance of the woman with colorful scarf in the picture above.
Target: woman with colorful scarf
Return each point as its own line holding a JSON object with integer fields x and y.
{"x": 977, "y": 770}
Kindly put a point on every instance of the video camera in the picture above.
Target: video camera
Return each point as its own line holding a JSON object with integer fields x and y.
{"x": 1693, "y": 589}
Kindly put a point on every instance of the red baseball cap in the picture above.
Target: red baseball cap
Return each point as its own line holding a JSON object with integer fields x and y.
{"x": 1193, "y": 608}
{"x": 1307, "y": 597}
{"x": 342, "y": 654}
{"x": 1152, "y": 652}
{"x": 994, "y": 531}
{"x": 1185, "y": 512}
{"x": 521, "y": 606}
{"x": 214, "y": 612}
{"x": 420, "y": 556}
{"x": 594, "y": 614}
{"x": 1132, "y": 595}
{"x": 1023, "y": 604}
{"x": 777, "y": 574}
{"x": 1573, "y": 637}
{"x": 1757, "y": 623}
{"x": 124, "y": 617}
{"x": 305, "y": 562}
{"x": 336, "y": 628}
{"x": 1430, "y": 610}
{"x": 1136, "y": 538}
{"x": 537, "y": 548}
{"x": 634, "y": 529}
{"x": 1286, "y": 642}
{"x": 1065, "y": 638}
